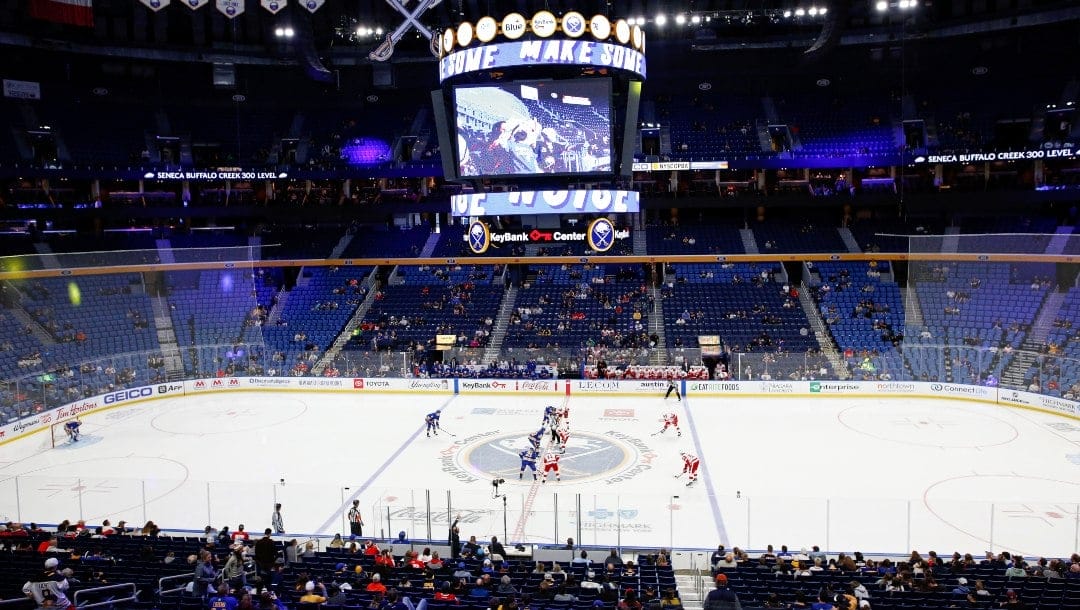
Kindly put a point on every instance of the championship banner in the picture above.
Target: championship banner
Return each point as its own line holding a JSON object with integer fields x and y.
{"x": 541, "y": 53}
{"x": 312, "y": 5}
{"x": 196, "y": 4}
{"x": 155, "y": 5}
{"x": 231, "y": 8}
{"x": 273, "y": 5}
{"x": 595, "y": 201}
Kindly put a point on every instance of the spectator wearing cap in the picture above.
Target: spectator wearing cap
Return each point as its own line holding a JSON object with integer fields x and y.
{"x": 314, "y": 593}
{"x": 722, "y": 598}
{"x": 376, "y": 586}
{"x": 444, "y": 594}
{"x": 242, "y": 535}
{"x": 50, "y": 586}
{"x": 234, "y": 569}
{"x": 1012, "y": 601}
{"x": 629, "y": 601}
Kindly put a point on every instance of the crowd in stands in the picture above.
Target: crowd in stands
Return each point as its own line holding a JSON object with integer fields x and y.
{"x": 238, "y": 569}
{"x": 808, "y": 578}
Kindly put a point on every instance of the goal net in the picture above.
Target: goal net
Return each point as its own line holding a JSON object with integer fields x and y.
{"x": 58, "y": 433}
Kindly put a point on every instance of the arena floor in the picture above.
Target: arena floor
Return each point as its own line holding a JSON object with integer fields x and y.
{"x": 877, "y": 475}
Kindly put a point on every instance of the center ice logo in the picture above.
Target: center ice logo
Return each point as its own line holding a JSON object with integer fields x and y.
{"x": 587, "y": 457}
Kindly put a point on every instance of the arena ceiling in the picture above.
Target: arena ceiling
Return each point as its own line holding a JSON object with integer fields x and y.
{"x": 358, "y": 25}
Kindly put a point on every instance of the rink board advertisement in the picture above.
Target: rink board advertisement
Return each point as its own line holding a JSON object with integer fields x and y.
{"x": 511, "y": 386}
{"x": 577, "y": 387}
{"x": 120, "y": 398}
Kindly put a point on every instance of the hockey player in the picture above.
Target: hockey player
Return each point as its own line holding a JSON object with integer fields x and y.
{"x": 551, "y": 464}
{"x": 564, "y": 416}
{"x": 534, "y": 439}
{"x": 671, "y": 420}
{"x": 528, "y": 460}
{"x": 690, "y": 467}
{"x": 432, "y": 421}
{"x": 71, "y": 428}
{"x": 564, "y": 436}
{"x": 673, "y": 386}
{"x": 549, "y": 414}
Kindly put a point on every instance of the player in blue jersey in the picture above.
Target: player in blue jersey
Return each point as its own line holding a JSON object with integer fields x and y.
{"x": 71, "y": 428}
{"x": 549, "y": 414}
{"x": 528, "y": 460}
{"x": 432, "y": 421}
{"x": 534, "y": 439}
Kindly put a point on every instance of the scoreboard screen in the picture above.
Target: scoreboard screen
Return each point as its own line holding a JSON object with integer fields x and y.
{"x": 536, "y": 127}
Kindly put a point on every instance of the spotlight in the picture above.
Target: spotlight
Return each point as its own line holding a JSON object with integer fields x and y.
{"x": 799, "y": 12}
{"x": 882, "y": 6}
{"x": 695, "y": 19}
{"x": 822, "y": 11}
{"x": 661, "y": 20}
{"x": 680, "y": 19}
{"x": 787, "y": 14}
{"x": 378, "y": 31}
{"x": 289, "y": 32}
{"x": 813, "y": 11}
{"x": 279, "y": 32}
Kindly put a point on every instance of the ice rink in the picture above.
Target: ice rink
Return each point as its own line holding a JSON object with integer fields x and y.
{"x": 877, "y": 475}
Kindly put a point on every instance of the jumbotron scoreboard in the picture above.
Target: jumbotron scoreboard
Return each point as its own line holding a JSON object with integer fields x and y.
{"x": 540, "y": 115}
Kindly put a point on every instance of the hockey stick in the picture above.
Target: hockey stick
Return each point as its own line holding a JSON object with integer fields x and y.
{"x": 447, "y": 431}
{"x": 657, "y": 432}
{"x": 679, "y": 475}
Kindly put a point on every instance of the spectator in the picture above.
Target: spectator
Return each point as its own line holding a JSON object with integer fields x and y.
{"x": 376, "y": 586}
{"x": 721, "y": 598}
{"x": 613, "y": 559}
{"x": 204, "y": 575}
{"x": 223, "y": 600}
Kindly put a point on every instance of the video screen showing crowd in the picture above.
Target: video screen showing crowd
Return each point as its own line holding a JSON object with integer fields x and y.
{"x": 534, "y": 128}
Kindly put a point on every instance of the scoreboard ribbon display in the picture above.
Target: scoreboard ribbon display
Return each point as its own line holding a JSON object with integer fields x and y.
{"x": 542, "y": 53}
{"x": 596, "y": 201}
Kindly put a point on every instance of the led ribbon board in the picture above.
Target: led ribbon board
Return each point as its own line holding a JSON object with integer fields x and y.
{"x": 596, "y": 201}
{"x": 601, "y": 55}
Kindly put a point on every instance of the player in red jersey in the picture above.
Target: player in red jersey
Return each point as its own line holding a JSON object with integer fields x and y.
{"x": 551, "y": 464}
{"x": 691, "y": 463}
{"x": 564, "y": 435}
{"x": 671, "y": 420}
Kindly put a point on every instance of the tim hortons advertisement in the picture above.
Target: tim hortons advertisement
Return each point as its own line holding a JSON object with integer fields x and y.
{"x": 43, "y": 420}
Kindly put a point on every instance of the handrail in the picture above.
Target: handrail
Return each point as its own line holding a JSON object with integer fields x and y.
{"x": 545, "y": 260}
{"x": 185, "y": 578}
{"x": 133, "y": 594}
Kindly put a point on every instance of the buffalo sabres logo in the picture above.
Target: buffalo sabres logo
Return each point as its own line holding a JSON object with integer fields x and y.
{"x": 601, "y": 235}
{"x": 479, "y": 237}
{"x": 573, "y": 24}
